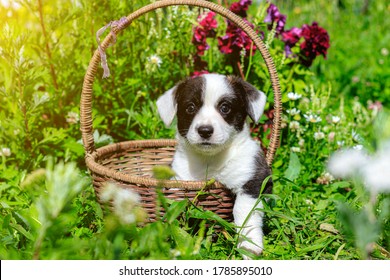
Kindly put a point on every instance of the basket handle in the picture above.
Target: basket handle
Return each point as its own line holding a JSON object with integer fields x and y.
{"x": 86, "y": 95}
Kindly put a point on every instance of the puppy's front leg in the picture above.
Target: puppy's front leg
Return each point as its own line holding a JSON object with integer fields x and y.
{"x": 249, "y": 222}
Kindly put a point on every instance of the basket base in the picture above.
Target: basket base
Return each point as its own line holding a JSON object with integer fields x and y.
{"x": 219, "y": 201}
{"x": 129, "y": 165}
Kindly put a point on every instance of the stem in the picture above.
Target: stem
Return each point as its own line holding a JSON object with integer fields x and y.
{"x": 39, "y": 241}
{"x": 249, "y": 63}
{"x": 210, "y": 58}
{"x": 27, "y": 142}
{"x": 48, "y": 50}
{"x": 290, "y": 74}
{"x": 240, "y": 70}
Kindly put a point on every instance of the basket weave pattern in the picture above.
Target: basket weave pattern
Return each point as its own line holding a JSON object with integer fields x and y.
{"x": 129, "y": 164}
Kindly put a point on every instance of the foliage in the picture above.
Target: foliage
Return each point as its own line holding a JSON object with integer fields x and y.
{"x": 48, "y": 209}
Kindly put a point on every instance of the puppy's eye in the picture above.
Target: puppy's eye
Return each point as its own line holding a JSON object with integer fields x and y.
{"x": 190, "y": 109}
{"x": 225, "y": 108}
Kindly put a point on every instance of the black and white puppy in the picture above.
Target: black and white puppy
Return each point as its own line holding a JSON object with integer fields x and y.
{"x": 214, "y": 142}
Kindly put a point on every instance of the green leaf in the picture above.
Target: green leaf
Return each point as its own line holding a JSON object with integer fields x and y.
{"x": 20, "y": 229}
{"x": 176, "y": 208}
{"x": 294, "y": 167}
{"x": 183, "y": 239}
{"x": 322, "y": 205}
{"x": 340, "y": 185}
{"x": 208, "y": 215}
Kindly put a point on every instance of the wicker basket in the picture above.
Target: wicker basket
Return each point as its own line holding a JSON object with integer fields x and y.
{"x": 129, "y": 164}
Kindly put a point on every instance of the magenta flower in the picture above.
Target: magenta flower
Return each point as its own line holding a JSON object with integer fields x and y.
{"x": 290, "y": 39}
{"x": 199, "y": 73}
{"x": 316, "y": 43}
{"x": 240, "y": 8}
{"x": 209, "y": 23}
{"x": 205, "y": 29}
{"x": 199, "y": 64}
{"x": 235, "y": 41}
{"x": 275, "y": 17}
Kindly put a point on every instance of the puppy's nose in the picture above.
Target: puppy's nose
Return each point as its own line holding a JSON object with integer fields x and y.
{"x": 205, "y": 131}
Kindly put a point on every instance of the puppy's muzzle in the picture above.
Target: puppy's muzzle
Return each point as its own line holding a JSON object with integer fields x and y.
{"x": 205, "y": 131}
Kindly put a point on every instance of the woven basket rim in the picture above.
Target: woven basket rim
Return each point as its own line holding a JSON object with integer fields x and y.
{"x": 95, "y": 166}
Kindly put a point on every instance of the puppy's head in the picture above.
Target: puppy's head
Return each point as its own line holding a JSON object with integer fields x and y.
{"x": 211, "y": 110}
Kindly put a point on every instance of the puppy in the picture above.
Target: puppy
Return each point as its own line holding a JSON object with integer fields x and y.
{"x": 214, "y": 142}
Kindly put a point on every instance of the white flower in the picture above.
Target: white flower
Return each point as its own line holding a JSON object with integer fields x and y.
{"x": 384, "y": 52}
{"x": 5, "y": 152}
{"x": 124, "y": 205}
{"x": 335, "y": 119}
{"x": 72, "y": 118}
{"x": 319, "y": 135}
{"x": 293, "y": 96}
{"x": 373, "y": 170}
{"x": 294, "y": 112}
{"x": 312, "y": 118}
{"x": 346, "y": 163}
{"x": 358, "y": 147}
{"x": 125, "y": 202}
{"x": 294, "y": 125}
{"x": 325, "y": 179}
{"x": 301, "y": 142}
{"x": 155, "y": 59}
{"x": 309, "y": 202}
{"x": 296, "y": 149}
{"x": 376, "y": 172}
{"x": 340, "y": 143}
{"x": 108, "y": 192}
{"x": 153, "y": 63}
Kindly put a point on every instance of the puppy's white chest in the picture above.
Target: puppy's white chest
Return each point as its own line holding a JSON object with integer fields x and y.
{"x": 232, "y": 167}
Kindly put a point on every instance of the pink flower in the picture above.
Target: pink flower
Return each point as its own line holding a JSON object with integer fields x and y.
{"x": 375, "y": 106}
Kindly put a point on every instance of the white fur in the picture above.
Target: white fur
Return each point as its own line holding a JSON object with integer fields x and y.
{"x": 167, "y": 107}
{"x": 233, "y": 167}
{"x": 258, "y": 106}
{"x": 230, "y": 159}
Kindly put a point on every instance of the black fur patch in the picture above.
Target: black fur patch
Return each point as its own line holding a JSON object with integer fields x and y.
{"x": 237, "y": 114}
{"x": 188, "y": 93}
{"x": 253, "y": 186}
{"x": 248, "y": 92}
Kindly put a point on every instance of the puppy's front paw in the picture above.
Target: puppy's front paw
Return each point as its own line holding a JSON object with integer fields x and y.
{"x": 255, "y": 248}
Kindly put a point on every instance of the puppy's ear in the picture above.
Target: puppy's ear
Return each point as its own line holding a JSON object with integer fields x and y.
{"x": 255, "y": 98}
{"x": 167, "y": 106}
{"x": 256, "y": 104}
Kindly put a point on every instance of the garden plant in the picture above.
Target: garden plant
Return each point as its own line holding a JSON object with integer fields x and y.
{"x": 331, "y": 190}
